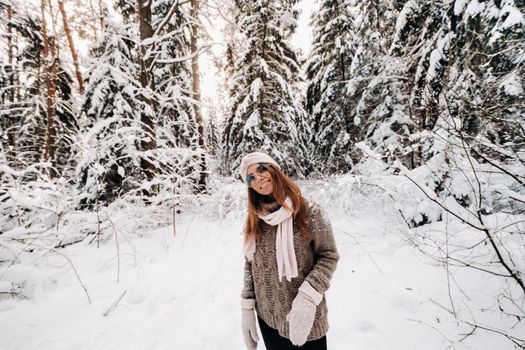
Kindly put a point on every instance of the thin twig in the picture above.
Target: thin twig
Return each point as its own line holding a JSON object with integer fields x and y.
{"x": 69, "y": 261}
{"x": 432, "y": 327}
{"x": 117, "y": 246}
{"x": 442, "y": 205}
{"x": 187, "y": 230}
{"x": 361, "y": 246}
{"x": 114, "y": 305}
{"x": 448, "y": 272}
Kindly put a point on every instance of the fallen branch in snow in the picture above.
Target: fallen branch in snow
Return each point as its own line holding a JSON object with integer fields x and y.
{"x": 434, "y": 328}
{"x": 114, "y": 305}
{"x": 65, "y": 257}
{"x": 517, "y": 341}
{"x": 442, "y": 205}
{"x": 502, "y": 169}
{"x": 21, "y": 240}
{"x": 512, "y": 274}
{"x": 65, "y": 242}
{"x": 482, "y": 228}
{"x": 9, "y": 289}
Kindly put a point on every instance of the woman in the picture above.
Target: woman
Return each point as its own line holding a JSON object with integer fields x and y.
{"x": 290, "y": 255}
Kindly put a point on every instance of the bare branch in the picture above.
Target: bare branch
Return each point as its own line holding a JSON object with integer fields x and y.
{"x": 114, "y": 305}
{"x": 68, "y": 260}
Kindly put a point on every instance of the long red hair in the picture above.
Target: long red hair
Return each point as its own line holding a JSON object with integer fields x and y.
{"x": 282, "y": 187}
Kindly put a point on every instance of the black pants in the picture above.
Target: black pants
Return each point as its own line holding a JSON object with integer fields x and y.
{"x": 274, "y": 341}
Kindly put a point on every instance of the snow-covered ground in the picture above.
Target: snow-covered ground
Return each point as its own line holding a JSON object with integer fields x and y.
{"x": 182, "y": 291}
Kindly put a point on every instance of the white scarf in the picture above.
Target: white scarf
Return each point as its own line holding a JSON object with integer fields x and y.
{"x": 285, "y": 253}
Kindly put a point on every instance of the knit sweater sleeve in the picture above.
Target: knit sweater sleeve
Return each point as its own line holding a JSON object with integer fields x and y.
{"x": 325, "y": 250}
{"x": 248, "y": 291}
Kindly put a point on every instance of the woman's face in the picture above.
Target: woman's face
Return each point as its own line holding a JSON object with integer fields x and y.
{"x": 263, "y": 183}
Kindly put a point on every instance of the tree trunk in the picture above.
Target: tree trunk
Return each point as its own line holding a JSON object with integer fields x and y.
{"x": 146, "y": 80}
{"x": 341, "y": 56}
{"x": 8, "y": 123}
{"x": 10, "y": 92}
{"x": 50, "y": 78}
{"x": 71, "y": 46}
{"x": 17, "y": 76}
{"x": 194, "y": 14}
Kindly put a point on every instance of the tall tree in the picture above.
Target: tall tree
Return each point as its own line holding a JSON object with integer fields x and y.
{"x": 173, "y": 76}
{"x": 376, "y": 94}
{"x": 10, "y": 54}
{"x": 462, "y": 62}
{"x": 24, "y": 98}
{"x": 109, "y": 157}
{"x": 7, "y": 84}
{"x": 328, "y": 72}
{"x": 148, "y": 141}
{"x": 263, "y": 87}
{"x": 196, "y": 88}
{"x": 177, "y": 130}
{"x": 23, "y": 112}
{"x": 50, "y": 69}
{"x": 71, "y": 44}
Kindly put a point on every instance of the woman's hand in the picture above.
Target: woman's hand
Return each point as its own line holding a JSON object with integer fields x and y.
{"x": 302, "y": 314}
{"x": 249, "y": 328}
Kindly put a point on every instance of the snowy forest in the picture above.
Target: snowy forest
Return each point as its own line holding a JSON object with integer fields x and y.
{"x": 123, "y": 124}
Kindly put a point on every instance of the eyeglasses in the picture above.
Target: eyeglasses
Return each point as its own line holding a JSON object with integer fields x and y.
{"x": 260, "y": 169}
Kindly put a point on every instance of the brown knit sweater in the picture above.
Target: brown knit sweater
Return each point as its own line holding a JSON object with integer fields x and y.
{"x": 316, "y": 261}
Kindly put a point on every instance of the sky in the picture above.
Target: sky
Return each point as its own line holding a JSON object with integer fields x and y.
{"x": 303, "y": 35}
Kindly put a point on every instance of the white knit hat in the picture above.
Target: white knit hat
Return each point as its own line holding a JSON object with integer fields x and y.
{"x": 255, "y": 158}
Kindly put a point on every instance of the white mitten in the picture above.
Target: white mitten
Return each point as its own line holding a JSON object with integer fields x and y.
{"x": 302, "y": 315}
{"x": 249, "y": 328}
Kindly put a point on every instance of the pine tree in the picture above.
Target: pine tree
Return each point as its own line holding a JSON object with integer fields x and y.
{"x": 212, "y": 133}
{"x": 353, "y": 92}
{"x": 419, "y": 29}
{"x": 232, "y": 38}
{"x": 148, "y": 142}
{"x": 173, "y": 78}
{"x": 23, "y": 102}
{"x": 109, "y": 158}
{"x": 485, "y": 76}
{"x": 376, "y": 85}
{"x": 463, "y": 63}
{"x": 29, "y": 110}
{"x": 327, "y": 70}
{"x": 67, "y": 125}
{"x": 177, "y": 130}
{"x": 6, "y": 78}
{"x": 265, "y": 113}
{"x": 127, "y": 9}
